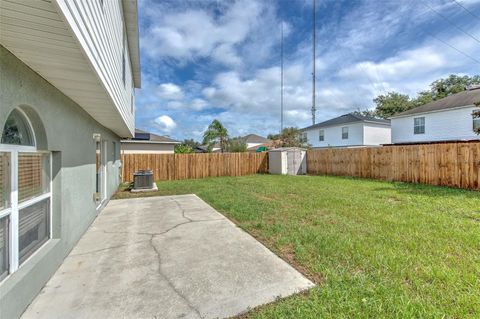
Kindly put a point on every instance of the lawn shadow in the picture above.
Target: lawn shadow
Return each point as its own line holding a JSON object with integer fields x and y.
{"x": 429, "y": 190}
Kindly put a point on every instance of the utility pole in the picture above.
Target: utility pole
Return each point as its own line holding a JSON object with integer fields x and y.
{"x": 281, "y": 82}
{"x": 314, "y": 109}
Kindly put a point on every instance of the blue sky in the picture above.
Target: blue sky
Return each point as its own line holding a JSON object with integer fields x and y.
{"x": 220, "y": 59}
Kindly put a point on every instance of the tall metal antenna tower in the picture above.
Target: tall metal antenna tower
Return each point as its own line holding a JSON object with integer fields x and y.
{"x": 314, "y": 109}
{"x": 281, "y": 82}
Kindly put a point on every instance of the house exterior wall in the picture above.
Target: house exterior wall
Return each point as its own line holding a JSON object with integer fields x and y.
{"x": 99, "y": 27}
{"x": 333, "y": 136}
{"x": 249, "y": 145}
{"x": 455, "y": 124}
{"x": 147, "y": 148}
{"x": 374, "y": 134}
{"x": 68, "y": 132}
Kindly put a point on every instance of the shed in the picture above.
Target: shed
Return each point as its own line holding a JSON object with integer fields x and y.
{"x": 287, "y": 161}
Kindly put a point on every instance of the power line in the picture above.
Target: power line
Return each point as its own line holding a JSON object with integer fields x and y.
{"x": 281, "y": 82}
{"x": 453, "y": 24}
{"x": 466, "y": 9}
{"x": 314, "y": 110}
{"x": 451, "y": 46}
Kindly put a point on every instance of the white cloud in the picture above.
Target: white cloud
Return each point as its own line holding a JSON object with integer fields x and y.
{"x": 165, "y": 124}
{"x": 193, "y": 33}
{"x": 169, "y": 91}
{"x": 362, "y": 52}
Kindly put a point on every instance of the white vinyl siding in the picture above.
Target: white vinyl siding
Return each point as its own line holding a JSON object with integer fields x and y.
{"x": 454, "y": 124}
{"x": 333, "y": 136}
{"x": 100, "y": 29}
{"x": 359, "y": 134}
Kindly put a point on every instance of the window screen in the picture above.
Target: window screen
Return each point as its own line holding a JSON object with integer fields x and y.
{"x": 33, "y": 175}
{"x": 4, "y": 180}
{"x": 33, "y": 228}
{"x": 3, "y": 247}
{"x": 419, "y": 125}
{"x": 321, "y": 136}
{"x": 344, "y": 133}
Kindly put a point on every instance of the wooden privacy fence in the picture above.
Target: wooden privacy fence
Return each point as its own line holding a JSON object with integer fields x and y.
{"x": 448, "y": 164}
{"x": 190, "y": 166}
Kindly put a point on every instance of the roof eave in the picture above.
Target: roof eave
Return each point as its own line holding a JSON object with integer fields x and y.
{"x": 312, "y": 127}
{"x": 428, "y": 112}
{"x": 130, "y": 10}
{"x": 149, "y": 142}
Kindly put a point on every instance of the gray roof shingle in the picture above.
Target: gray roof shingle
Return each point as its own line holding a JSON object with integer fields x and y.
{"x": 153, "y": 137}
{"x": 465, "y": 98}
{"x": 349, "y": 118}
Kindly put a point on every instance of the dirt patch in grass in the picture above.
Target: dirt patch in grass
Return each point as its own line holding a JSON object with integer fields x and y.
{"x": 288, "y": 254}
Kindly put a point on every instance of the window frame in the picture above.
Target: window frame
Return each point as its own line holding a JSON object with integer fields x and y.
{"x": 321, "y": 135}
{"x": 421, "y": 128}
{"x": 345, "y": 133}
{"x": 13, "y": 211}
{"x": 476, "y": 123}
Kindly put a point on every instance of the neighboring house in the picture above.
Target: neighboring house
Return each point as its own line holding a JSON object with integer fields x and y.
{"x": 349, "y": 130}
{"x": 447, "y": 119}
{"x": 148, "y": 143}
{"x": 68, "y": 70}
{"x": 254, "y": 141}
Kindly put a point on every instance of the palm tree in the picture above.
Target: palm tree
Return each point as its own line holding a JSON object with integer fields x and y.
{"x": 216, "y": 132}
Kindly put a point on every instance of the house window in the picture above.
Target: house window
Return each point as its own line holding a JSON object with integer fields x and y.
{"x": 17, "y": 130}
{"x": 419, "y": 125}
{"x": 304, "y": 138}
{"x": 345, "y": 133}
{"x": 25, "y": 194}
{"x": 321, "y": 135}
{"x": 476, "y": 124}
{"x": 4, "y": 243}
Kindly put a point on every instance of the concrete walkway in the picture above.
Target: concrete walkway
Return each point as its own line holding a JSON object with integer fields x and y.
{"x": 164, "y": 257}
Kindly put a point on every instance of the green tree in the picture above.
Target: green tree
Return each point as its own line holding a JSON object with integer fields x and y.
{"x": 289, "y": 137}
{"x": 183, "y": 149}
{"x": 451, "y": 85}
{"x": 237, "y": 145}
{"x": 191, "y": 142}
{"x": 216, "y": 133}
{"x": 422, "y": 98}
{"x": 392, "y": 103}
{"x": 476, "y": 115}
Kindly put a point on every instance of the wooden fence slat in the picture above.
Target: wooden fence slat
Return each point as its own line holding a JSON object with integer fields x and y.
{"x": 193, "y": 166}
{"x": 446, "y": 164}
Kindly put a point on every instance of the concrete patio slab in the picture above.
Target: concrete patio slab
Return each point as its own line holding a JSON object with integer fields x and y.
{"x": 164, "y": 257}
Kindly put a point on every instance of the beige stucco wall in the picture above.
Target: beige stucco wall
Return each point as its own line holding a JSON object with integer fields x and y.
{"x": 147, "y": 148}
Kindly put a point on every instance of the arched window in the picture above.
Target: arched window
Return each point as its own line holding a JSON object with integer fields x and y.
{"x": 17, "y": 130}
{"x": 25, "y": 193}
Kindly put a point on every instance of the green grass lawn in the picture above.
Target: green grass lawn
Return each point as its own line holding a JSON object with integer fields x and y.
{"x": 375, "y": 249}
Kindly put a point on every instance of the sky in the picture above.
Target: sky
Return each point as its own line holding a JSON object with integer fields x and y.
{"x": 220, "y": 59}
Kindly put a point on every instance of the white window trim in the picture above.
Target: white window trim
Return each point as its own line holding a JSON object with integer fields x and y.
{"x": 415, "y": 126}
{"x": 14, "y": 210}
{"x": 321, "y": 135}
{"x": 475, "y": 120}
{"x": 348, "y": 133}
